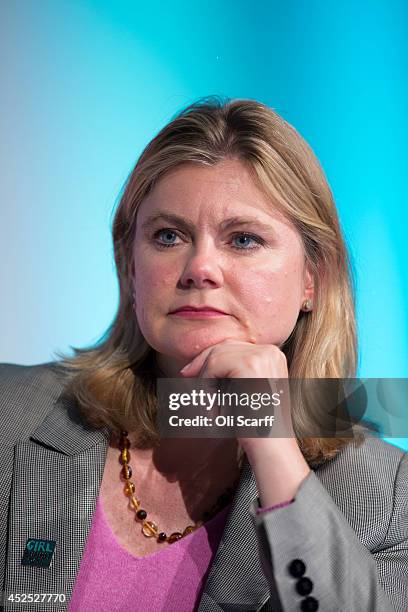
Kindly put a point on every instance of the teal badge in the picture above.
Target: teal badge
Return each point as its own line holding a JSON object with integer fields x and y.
{"x": 38, "y": 553}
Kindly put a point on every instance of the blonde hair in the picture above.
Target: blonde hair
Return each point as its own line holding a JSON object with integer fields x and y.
{"x": 114, "y": 380}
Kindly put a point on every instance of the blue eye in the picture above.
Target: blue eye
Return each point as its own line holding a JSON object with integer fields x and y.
{"x": 165, "y": 231}
{"x": 256, "y": 239}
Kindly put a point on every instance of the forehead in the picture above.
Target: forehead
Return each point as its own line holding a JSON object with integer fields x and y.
{"x": 199, "y": 192}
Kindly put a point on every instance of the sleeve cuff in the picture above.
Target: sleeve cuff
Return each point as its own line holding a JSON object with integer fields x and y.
{"x": 275, "y": 506}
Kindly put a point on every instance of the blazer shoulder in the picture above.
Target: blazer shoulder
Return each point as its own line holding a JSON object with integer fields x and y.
{"x": 366, "y": 481}
{"x": 373, "y": 452}
{"x": 27, "y": 394}
{"x": 373, "y": 463}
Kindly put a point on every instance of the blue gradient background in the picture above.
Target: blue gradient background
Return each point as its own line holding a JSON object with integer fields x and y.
{"x": 85, "y": 85}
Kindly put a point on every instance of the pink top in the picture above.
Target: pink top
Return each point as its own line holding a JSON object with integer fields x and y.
{"x": 111, "y": 578}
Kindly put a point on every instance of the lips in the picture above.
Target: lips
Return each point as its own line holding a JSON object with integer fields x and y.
{"x": 198, "y": 309}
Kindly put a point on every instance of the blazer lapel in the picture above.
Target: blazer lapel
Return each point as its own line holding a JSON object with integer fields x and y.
{"x": 236, "y": 580}
{"x": 56, "y": 479}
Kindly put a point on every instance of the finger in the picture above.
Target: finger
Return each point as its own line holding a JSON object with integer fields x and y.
{"x": 194, "y": 367}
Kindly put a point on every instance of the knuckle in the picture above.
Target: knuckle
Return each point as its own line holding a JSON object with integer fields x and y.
{"x": 251, "y": 360}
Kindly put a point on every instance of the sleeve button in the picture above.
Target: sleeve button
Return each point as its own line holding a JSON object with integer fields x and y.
{"x": 304, "y": 586}
{"x": 296, "y": 568}
{"x": 309, "y": 604}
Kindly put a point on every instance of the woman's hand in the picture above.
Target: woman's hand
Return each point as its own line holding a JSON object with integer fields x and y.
{"x": 278, "y": 463}
{"x": 237, "y": 359}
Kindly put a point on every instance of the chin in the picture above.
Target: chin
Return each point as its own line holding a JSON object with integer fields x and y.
{"x": 190, "y": 348}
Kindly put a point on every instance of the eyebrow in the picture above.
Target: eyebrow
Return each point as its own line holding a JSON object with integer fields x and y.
{"x": 187, "y": 225}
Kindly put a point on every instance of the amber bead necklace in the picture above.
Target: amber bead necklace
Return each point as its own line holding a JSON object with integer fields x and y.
{"x": 150, "y": 529}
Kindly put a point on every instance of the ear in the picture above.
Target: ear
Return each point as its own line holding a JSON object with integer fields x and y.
{"x": 308, "y": 284}
{"x": 132, "y": 280}
{"x": 132, "y": 271}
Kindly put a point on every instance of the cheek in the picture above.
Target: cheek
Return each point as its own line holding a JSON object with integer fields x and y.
{"x": 275, "y": 287}
{"x": 152, "y": 278}
{"x": 271, "y": 298}
{"x": 153, "y": 286}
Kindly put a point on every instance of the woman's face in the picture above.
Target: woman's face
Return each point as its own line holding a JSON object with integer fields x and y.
{"x": 252, "y": 269}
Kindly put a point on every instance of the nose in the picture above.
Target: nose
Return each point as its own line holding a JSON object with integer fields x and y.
{"x": 202, "y": 268}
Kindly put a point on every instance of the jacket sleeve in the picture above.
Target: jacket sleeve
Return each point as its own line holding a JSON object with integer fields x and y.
{"x": 314, "y": 557}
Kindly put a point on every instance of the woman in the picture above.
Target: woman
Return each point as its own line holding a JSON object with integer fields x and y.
{"x": 227, "y": 209}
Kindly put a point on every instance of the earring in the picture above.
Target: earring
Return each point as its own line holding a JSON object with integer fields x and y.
{"x": 307, "y": 305}
{"x": 134, "y": 301}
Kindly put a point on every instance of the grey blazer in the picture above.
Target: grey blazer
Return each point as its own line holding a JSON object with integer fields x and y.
{"x": 347, "y": 528}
